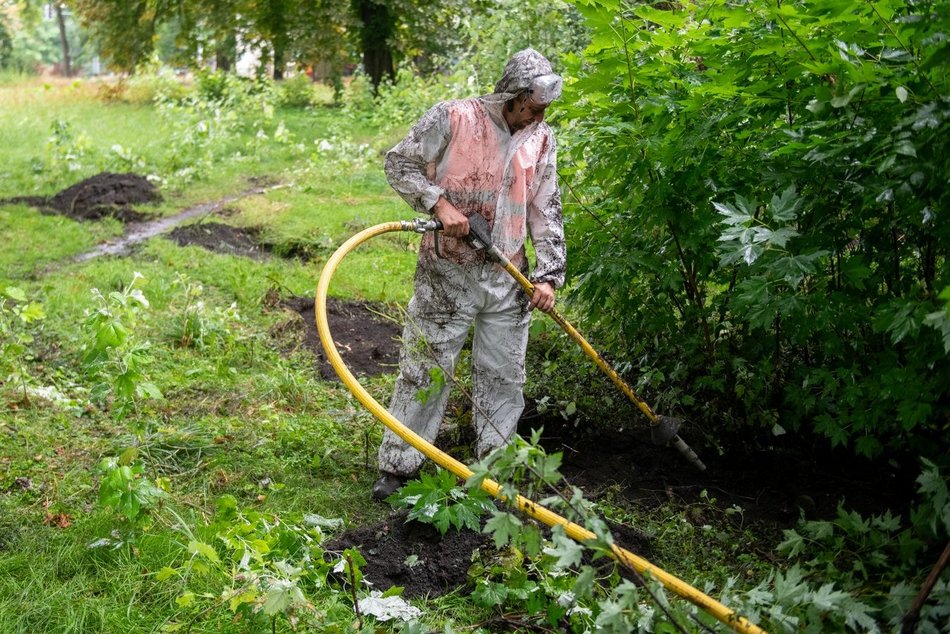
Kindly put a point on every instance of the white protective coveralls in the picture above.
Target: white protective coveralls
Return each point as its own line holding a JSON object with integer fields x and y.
{"x": 463, "y": 150}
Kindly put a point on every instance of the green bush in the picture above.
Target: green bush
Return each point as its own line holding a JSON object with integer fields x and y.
{"x": 398, "y": 104}
{"x": 757, "y": 224}
{"x": 296, "y": 92}
{"x": 879, "y": 557}
{"x": 228, "y": 89}
{"x": 17, "y": 316}
{"x": 145, "y": 88}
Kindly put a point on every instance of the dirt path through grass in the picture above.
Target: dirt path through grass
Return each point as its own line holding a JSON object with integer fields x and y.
{"x": 138, "y": 232}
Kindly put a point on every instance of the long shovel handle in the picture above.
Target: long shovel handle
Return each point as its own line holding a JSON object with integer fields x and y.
{"x": 598, "y": 360}
{"x": 480, "y": 237}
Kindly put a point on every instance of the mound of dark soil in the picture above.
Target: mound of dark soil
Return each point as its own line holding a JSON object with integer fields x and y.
{"x": 367, "y": 341}
{"x": 220, "y": 238}
{"x": 440, "y": 563}
{"x": 105, "y": 194}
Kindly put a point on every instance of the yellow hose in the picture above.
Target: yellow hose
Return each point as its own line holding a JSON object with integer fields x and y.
{"x": 532, "y": 509}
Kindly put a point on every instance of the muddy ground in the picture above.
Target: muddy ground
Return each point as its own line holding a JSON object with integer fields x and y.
{"x": 220, "y": 238}
{"x": 365, "y": 337}
{"x": 771, "y": 488}
{"x": 413, "y": 555}
{"x": 105, "y": 194}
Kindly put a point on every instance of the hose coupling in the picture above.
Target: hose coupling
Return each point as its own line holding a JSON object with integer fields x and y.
{"x": 420, "y": 225}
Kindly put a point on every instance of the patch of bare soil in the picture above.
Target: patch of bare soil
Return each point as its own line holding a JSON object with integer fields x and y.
{"x": 105, "y": 194}
{"x": 367, "y": 341}
{"x": 413, "y": 555}
{"x": 220, "y": 238}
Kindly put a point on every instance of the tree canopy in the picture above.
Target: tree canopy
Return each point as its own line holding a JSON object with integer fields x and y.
{"x": 381, "y": 31}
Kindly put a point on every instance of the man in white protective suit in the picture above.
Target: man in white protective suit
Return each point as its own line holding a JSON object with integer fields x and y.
{"x": 493, "y": 156}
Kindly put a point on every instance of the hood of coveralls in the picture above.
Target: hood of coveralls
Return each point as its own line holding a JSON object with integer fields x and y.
{"x": 528, "y": 70}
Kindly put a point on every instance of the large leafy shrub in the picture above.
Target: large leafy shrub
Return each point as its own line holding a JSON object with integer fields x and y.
{"x": 759, "y": 211}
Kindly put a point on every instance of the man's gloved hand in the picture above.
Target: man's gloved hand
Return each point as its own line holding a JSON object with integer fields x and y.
{"x": 543, "y": 297}
{"x": 454, "y": 222}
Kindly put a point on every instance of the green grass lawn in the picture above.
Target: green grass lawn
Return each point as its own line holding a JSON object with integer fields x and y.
{"x": 234, "y": 413}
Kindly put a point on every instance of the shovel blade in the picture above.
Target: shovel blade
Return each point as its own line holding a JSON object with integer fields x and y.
{"x": 664, "y": 430}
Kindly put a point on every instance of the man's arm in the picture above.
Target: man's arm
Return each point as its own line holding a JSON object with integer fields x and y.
{"x": 546, "y": 226}
{"x": 409, "y": 165}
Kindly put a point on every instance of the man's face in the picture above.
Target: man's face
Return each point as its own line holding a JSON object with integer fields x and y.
{"x": 524, "y": 113}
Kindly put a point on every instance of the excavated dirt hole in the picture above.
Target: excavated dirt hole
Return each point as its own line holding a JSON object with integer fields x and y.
{"x": 220, "y": 238}
{"x": 105, "y": 194}
{"x": 366, "y": 339}
{"x": 246, "y": 241}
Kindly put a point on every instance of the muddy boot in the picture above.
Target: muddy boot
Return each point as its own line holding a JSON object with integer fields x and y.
{"x": 387, "y": 484}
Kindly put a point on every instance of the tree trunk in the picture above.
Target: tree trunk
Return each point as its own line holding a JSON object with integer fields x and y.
{"x": 63, "y": 40}
{"x": 378, "y": 26}
{"x": 225, "y": 53}
{"x": 280, "y": 41}
{"x": 279, "y": 60}
{"x": 222, "y": 61}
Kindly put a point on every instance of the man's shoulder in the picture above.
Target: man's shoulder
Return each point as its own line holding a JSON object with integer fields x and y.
{"x": 471, "y": 104}
{"x": 465, "y": 112}
{"x": 454, "y": 107}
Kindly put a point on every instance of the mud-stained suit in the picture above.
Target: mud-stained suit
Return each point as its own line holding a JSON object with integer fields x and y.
{"x": 463, "y": 151}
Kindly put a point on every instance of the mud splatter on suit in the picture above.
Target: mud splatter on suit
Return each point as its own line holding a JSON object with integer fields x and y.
{"x": 463, "y": 150}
